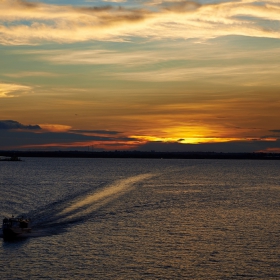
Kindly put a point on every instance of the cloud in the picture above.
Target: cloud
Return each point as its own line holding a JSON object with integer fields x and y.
{"x": 18, "y": 140}
{"x": 23, "y": 22}
{"x": 9, "y": 124}
{"x": 102, "y": 132}
{"x": 226, "y": 147}
{"x": 12, "y": 90}
{"x": 30, "y": 74}
{"x": 254, "y": 68}
{"x": 67, "y": 128}
{"x": 275, "y": 130}
{"x": 17, "y": 136}
{"x": 99, "y": 57}
{"x": 55, "y": 127}
{"x": 170, "y": 51}
{"x": 181, "y": 6}
{"x": 238, "y": 75}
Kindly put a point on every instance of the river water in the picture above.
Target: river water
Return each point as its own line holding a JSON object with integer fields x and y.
{"x": 142, "y": 219}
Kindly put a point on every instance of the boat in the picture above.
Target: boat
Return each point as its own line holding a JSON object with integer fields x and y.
{"x": 15, "y": 227}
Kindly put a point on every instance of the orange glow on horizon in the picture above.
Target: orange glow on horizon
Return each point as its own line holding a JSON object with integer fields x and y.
{"x": 141, "y": 140}
{"x": 187, "y": 140}
{"x": 270, "y": 150}
{"x": 190, "y": 134}
{"x": 199, "y": 140}
{"x": 91, "y": 146}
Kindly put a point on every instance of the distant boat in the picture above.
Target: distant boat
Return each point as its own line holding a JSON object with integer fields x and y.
{"x": 15, "y": 227}
{"x": 13, "y": 158}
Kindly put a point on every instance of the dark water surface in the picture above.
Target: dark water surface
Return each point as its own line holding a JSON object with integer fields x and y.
{"x": 142, "y": 219}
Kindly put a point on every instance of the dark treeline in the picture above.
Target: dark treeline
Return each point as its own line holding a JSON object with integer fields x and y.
{"x": 138, "y": 154}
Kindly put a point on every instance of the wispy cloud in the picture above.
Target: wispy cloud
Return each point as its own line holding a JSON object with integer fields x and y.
{"x": 24, "y": 22}
{"x": 55, "y": 127}
{"x": 101, "y": 57}
{"x": 12, "y": 90}
{"x": 95, "y": 132}
{"x": 241, "y": 75}
{"x": 173, "y": 63}
{"x": 179, "y": 51}
{"x": 29, "y": 74}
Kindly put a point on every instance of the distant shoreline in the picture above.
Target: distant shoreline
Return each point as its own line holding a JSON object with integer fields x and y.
{"x": 139, "y": 154}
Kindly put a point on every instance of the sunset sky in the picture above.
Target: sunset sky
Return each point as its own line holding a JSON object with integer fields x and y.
{"x": 141, "y": 75}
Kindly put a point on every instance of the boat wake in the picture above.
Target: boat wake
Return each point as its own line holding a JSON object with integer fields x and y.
{"x": 58, "y": 216}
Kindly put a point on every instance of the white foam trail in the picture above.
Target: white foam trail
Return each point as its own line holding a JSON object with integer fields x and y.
{"x": 100, "y": 198}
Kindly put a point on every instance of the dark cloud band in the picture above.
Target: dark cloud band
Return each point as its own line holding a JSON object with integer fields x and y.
{"x": 9, "y": 124}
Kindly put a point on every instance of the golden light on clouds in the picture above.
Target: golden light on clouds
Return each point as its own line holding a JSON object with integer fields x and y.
{"x": 55, "y": 127}
{"x": 12, "y": 90}
{"x": 121, "y": 76}
{"x": 183, "y": 135}
{"x": 189, "y": 140}
{"x": 172, "y": 20}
